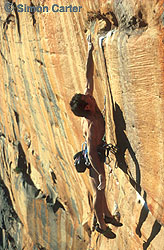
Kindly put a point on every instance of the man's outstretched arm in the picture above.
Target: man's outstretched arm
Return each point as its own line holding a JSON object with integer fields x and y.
{"x": 89, "y": 69}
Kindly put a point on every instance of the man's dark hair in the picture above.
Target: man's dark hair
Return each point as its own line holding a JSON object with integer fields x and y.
{"x": 78, "y": 106}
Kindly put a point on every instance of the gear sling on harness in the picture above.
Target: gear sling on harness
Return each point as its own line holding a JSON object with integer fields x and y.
{"x": 81, "y": 159}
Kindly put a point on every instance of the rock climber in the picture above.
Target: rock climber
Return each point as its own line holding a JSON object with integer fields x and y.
{"x": 93, "y": 126}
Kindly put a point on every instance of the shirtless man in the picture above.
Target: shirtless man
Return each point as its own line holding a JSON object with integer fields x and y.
{"x": 85, "y": 106}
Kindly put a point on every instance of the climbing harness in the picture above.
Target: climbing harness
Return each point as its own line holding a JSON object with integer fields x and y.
{"x": 81, "y": 159}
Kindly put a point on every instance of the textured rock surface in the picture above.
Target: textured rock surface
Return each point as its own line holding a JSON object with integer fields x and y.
{"x": 45, "y": 204}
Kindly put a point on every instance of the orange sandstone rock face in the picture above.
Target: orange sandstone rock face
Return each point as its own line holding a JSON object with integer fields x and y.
{"x": 45, "y": 204}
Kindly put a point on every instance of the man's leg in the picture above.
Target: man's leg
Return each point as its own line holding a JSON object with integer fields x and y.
{"x": 98, "y": 206}
{"x": 105, "y": 206}
{"x": 108, "y": 218}
{"x": 98, "y": 200}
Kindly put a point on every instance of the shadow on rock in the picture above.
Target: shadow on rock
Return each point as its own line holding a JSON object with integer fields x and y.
{"x": 143, "y": 216}
{"x": 155, "y": 230}
{"x": 123, "y": 144}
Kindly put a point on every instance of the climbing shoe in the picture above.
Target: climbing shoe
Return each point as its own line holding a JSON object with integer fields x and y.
{"x": 113, "y": 221}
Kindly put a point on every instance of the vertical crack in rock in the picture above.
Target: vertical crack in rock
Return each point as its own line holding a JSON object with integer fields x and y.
{"x": 25, "y": 168}
{"x": 54, "y": 178}
{"x": 142, "y": 23}
{"x": 4, "y": 155}
{"x": 3, "y": 57}
{"x": 22, "y": 163}
{"x": 17, "y": 19}
{"x": 122, "y": 140}
{"x": 32, "y": 13}
{"x": 17, "y": 117}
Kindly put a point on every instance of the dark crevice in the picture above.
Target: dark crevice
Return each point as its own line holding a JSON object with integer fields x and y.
{"x": 12, "y": 241}
{"x": 112, "y": 18}
{"x": 108, "y": 18}
{"x": 3, "y": 56}
{"x": 39, "y": 194}
{"x": 39, "y": 61}
{"x": 142, "y": 23}
{"x": 53, "y": 177}
{"x": 24, "y": 168}
{"x": 2, "y": 135}
{"x": 49, "y": 199}
{"x": 15, "y": 136}
{"x": 128, "y": 22}
{"x": 7, "y": 206}
{"x": 57, "y": 205}
{"x": 140, "y": 14}
{"x": 33, "y": 13}
{"x": 29, "y": 169}
{"x": 38, "y": 247}
{"x": 90, "y": 199}
{"x": 17, "y": 19}
{"x": 27, "y": 180}
{"x": 17, "y": 117}
{"x": 135, "y": 22}
{"x": 22, "y": 163}
{"x": 8, "y": 20}
{"x": 4, "y": 155}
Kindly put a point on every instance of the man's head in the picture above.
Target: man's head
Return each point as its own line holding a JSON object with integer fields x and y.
{"x": 82, "y": 105}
